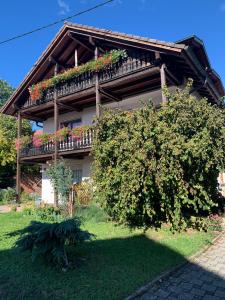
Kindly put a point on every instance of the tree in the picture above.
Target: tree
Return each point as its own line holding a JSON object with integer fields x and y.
{"x": 5, "y": 91}
{"x": 61, "y": 178}
{"x": 8, "y": 134}
{"x": 153, "y": 166}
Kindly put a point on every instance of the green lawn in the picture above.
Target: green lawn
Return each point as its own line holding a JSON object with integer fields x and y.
{"x": 113, "y": 266}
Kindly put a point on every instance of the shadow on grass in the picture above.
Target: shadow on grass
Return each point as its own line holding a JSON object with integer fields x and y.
{"x": 111, "y": 269}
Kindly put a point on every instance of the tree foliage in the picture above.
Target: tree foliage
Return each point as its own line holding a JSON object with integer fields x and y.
{"x": 5, "y": 91}
{"x": 49, "y": 240}
{"x": 61, "y": 178}
{"x": 8, "y": 134}
{"x": 153, "y": 166}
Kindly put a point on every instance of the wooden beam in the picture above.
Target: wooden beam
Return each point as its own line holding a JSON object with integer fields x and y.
{"x": 173, "y": 77}
{"x": 18, "y": 165}
{"x": 31, "y": 117}
{"x": 93, "y": 43}
{"x": 56, "y": 127}
{"x": 55, "y": 62}
{"x": 97, "y": 93}
{"x": 67, "y": 106}
{"x": 109, "y": 95}
{"x": 89, "y": 48}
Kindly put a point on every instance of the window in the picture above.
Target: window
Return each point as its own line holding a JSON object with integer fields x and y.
{"x": 72, "y": 124}
{"x": 77, "y": 176}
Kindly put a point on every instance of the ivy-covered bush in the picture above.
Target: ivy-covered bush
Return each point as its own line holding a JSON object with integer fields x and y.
{"x": 153, "y": 166}
{"x": 49, "y": 240}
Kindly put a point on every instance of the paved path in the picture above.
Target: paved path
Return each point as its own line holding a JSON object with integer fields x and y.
{"x": 203, "y": 278}
{"x": 4, "y": 208}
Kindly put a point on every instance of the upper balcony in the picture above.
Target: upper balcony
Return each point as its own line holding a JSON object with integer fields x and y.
{"x": 125, "y": 71}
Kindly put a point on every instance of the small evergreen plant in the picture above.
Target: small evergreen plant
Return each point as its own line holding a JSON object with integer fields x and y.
{"x": 49, "y": 240}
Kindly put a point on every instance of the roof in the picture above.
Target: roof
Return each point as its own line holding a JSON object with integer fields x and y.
{"x": 102, "y": 35}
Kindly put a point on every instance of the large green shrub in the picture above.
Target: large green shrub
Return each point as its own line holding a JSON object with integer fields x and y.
{"x": 153, "y": 166}
{"x": 49, "y": 240}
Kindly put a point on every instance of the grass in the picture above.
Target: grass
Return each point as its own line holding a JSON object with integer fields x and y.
{"x": 113, "y": 266}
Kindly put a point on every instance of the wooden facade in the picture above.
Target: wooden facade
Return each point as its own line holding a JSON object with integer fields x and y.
{"x": 149, "y": 65}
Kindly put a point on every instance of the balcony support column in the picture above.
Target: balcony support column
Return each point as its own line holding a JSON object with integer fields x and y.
{"x": 97, "y": 92}
{"x": 75, "y": 58}
{"x": 162, "y": 75}
{"x": 18, "y": 164}
{"x": 56, "y": 127}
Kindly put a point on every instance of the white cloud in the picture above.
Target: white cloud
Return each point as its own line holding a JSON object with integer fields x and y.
{"x": 64, "y": 7}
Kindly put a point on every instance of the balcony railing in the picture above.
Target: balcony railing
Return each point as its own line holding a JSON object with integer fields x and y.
{"x": 69, "y": 144}
{"x": 131, "y": 64}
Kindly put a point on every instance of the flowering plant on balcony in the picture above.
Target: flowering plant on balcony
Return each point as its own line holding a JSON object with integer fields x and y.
{"x": 61, "y": 134}
{"x": 22, "y": 142}
{"x": 104, "y": 61}
{"x": 77, "y": 133}
{"x": 40, "y": 138}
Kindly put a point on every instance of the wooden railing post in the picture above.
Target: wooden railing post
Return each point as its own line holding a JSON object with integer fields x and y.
{"x": 18, "y": 165}
{"x": 97, "y": 93}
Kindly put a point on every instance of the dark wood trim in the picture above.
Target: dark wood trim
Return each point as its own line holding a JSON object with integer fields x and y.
{"x": 109, "y": 95}
{"x": 56, "y": 127}
{"x": 175, "y": 80}
{"x": 97, "y": 93}
{"x": 200, "y": 72}
{"x": 55, "y": 62}
{"x": 18, "y": 165}
{"x": 89, "y": 48}
{"x": 49, "y": 156}
{"x": 67, "y": 106}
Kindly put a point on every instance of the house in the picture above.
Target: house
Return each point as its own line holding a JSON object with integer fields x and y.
{"x": 84, "y": 70}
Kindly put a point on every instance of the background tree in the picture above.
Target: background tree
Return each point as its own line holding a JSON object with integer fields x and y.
{"x": 153, "y": 166}
{"x": 6, "y": 91}
{"x": 8, "y": 134}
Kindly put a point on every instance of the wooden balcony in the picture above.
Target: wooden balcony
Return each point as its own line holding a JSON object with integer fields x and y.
{"x": 68, "y": 146}
{"x": 131, "y": 64}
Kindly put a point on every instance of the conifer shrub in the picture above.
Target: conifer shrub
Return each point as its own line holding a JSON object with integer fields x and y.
{"x": 50, "y": 240}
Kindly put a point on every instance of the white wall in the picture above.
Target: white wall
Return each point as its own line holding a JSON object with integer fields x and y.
{"x": 47, "y": 189}
{"x": 87, "y": 115}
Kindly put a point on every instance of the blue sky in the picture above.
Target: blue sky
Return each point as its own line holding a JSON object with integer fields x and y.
{"x": 168, "y": 20}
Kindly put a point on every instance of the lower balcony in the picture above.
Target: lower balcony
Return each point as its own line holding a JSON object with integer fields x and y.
{"x": 69, "y": 146}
